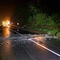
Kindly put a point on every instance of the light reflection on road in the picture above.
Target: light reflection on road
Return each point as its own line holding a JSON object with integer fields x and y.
{"x": 22, "y": 48}
{"x": 40, "y": 40}
{"x": 7, "y": 46}
{"x": 6, "y": 32}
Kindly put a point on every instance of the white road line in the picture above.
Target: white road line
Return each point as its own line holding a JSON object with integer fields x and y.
{"x": 31, "y": 39}
{"x": 16, "y": 32}
{"x": 45, "y": 48}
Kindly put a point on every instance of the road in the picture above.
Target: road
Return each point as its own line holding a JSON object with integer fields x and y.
{"x": 27, "y": 46}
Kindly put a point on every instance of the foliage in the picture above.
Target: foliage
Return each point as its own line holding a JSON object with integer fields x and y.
{"x": 56, "y": 18}
{"x": 58, "y": 33}
{"x": 41, "y": 19}
{"x": 52, "y": 32}
{"x": 32, "y": 8}
{"x": 30, "y": 20}
{"x": 50, "y": 21}
{"x": 37, "y": 15}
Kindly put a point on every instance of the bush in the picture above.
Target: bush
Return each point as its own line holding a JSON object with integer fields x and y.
{"x": 58, "y": 33}
{"x": 53, "y": 32}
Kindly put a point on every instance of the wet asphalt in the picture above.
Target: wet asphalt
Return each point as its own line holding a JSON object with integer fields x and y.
{"x": 17, "y": 46}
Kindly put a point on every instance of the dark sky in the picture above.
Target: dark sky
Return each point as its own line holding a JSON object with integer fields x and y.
{"x": 6, "y": 8}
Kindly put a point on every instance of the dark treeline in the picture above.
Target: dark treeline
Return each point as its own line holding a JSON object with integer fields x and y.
{"x": 37, "y": 12}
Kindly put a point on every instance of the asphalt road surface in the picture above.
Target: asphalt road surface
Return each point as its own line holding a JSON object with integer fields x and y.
{"x": 16, "y": 46}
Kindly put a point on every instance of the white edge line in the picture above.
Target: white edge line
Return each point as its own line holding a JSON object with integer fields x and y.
{"x": 45, "y": 48}
{"x": 42, "y": 46}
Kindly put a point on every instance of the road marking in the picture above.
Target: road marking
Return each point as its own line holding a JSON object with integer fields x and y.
{"x": 44, "y": 47}
{"x": 16, "y": 32}
{"x": 31, "y": 39}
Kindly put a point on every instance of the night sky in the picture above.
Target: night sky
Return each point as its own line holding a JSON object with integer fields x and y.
{"x": 6, "y": 8}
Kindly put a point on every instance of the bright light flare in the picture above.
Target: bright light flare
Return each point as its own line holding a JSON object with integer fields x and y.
{"x": 8, "y": 22}
{"x": 5, "y": 23}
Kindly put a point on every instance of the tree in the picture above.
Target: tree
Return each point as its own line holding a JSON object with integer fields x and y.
{"x": 41, "y": 19}
{"x": 56, "y": 19}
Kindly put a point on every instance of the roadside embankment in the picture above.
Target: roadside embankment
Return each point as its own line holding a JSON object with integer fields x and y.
{"x": 53, "y": 32}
